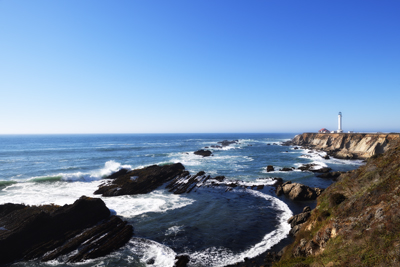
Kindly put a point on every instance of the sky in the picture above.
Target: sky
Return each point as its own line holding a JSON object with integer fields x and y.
{"x": 198, "y": 66}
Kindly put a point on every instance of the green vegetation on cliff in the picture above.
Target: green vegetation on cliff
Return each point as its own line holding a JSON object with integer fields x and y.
{"x": 356, "y": 221}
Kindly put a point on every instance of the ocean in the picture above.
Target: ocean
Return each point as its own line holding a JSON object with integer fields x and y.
{"x": 213, "y": 226}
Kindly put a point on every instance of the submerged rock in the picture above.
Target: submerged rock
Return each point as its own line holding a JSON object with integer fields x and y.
{"x": 70, "y": 233}
{"x": 141, "y": 181}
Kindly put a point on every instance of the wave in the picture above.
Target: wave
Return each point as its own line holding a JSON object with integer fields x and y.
{"x": 221, "y": 256}
{"x": 7, "y": 183}
{"x": 46, "y": 179}
{"x": 149, "y": 250}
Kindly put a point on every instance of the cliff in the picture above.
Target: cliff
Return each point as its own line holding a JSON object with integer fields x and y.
{"x": 347, "y": 145}
{"x": 357, "y": 220}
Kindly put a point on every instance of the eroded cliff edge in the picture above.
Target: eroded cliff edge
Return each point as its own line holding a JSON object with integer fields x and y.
{"x": 347, "y": 145}
{"x": 356, "y": 221}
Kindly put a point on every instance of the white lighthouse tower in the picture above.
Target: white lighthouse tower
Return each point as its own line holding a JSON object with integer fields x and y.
{"x": 340, "y": 123}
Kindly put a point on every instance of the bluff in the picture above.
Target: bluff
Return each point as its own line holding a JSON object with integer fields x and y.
{"x": 347, "y": 145}
{"x": 357, "y": 220}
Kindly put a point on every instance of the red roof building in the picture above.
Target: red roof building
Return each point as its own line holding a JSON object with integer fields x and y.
{"x": 324, "y": 130}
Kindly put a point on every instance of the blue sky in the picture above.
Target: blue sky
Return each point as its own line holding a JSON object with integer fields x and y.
{"x": 199, "y": 66}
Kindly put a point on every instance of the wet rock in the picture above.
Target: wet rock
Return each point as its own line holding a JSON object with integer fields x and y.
{"x": 204, "y": 153}
{"x": 117, "y": 174}
{"x": 141, "y": 181}
{"x": 286, "y": 169}
{"x": 270, "y": 168}
{"x": 326, "y": 157}
{"x": 322, "y": 170}
{"x": 307, "y": 167}
{"x": 219, "y": 178}
{"x": 227, "y": 143}
{"x": 52, "y": 232}
{"x": 181, "y": 261}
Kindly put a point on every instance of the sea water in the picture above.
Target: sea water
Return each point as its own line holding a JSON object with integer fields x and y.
{"x": 215, "y": 227}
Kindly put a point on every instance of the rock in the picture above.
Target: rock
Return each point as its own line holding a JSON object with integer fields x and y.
{"x": 299, "y": 218}
{"x": 306, "y": 209}
{"x": 330, "y": 175}
{"x": 296, "y": 191}
{"x": 52, "y": 232}
{"x": 286, "y": 169}
{"x": 117, "y": 174}
{"x": 227, "y": 143}
{"x": 270, "y": 168}
{"x": 141, "y": 181}
{"x": 306, "y": 167}
{"x": 322, "y": 170}
{"x": 181, "y": 261}
{"x": 204, "y": 153}
{"x": 219, "y": 178}
{"x": 296, "y": 148}
{"x": 326, "y": 157}
{"x": 279, "y": 190}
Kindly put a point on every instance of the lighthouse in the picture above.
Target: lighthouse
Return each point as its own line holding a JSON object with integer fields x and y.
{"x": 340, "y": 123}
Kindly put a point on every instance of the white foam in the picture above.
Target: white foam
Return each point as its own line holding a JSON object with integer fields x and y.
{"x": 222, "y": 257}
{"x": 173, "y": 230}
{"x": 146, "y": 249}
{"x": 156, "y": 201}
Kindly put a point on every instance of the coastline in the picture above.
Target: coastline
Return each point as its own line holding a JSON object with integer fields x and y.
{"x": 219, "y": 154}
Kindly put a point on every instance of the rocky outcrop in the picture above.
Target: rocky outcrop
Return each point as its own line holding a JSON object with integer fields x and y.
{"x": 71, "y": 233}
{"x": 356, "y": 221}
{"x": 347, "y": 145}
{"x": 202, "y": 152}
{"x": 141, "y": 181}
{"x": 270, "y": 168}
{"x": 296, "y": 221}
{"x": 296, "y": 191}
{"x": 225, "y": 143}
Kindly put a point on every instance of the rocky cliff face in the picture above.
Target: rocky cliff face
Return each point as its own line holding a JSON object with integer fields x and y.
{"x": 347, "y": 145}
{"x": 356, "y": 221}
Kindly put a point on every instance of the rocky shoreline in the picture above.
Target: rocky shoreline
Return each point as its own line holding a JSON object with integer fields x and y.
{"x": 346, "y": 145}
{"x": 70, "y": 233}
{"x": 86, "y": 230}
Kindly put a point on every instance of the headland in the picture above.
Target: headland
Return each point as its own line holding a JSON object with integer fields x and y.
{"x": 347, "y": 145}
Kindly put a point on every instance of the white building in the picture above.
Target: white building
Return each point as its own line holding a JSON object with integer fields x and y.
{"x": 340, "y": 123}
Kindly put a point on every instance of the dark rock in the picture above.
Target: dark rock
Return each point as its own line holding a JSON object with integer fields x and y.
{"x": 117, "y": 174}
{"x": 219, "y": 178}
{"x": 306, "y": 209}
{"x": 227, "y": 143}
{"x": 48, "y": 232}
{"x": 279, "y": 190}
{"x": 296, "y": 148}
{"x": 270, "y": 168}
{"x": 307, "y": 167}
{"x": 286, "y": 169}
{"x": 297, "y": 220}
{"x": 278, "y": 181}
{"x": 181, "y": 261}
{"x": 330, "y": 175}
{"x": 141, "y": 181}
{"x": 326, "y": 157}
{"x": 150, "y": 261}
{"x": 321, "y": 170}
{"x": 204, "y": 153}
